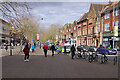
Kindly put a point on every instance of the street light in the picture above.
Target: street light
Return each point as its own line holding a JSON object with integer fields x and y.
{"x": 113, "y": 22}
{"x": 10, "y": 42}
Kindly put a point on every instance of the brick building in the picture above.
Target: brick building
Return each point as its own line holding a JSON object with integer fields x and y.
{"x": 4, "y": 31}
{"x": 94, "y": 24}
{"x": 82, "y": 30}
{"x": 107, "y": 21}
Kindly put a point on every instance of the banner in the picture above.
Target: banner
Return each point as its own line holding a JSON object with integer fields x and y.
{"x": 116, "y": 31}
{"x": 37, "y": 36}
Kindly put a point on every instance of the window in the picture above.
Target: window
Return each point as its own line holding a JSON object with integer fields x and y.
{"x": 117, "y": 12}
{"x": 74, "y": 28}
{"x": 83, "y": 31}
{"x": 89, "y": 30}
{"x": 107, "y": 15}
{"x": 90, "y": 21}
{"x": 96, "y": 30}
{"x": 69, "y": 29}
{"x": 117, "y": 23}
{"x": 107, "y": 27}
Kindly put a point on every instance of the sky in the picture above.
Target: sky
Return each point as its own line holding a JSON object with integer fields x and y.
{"x": 58, "y": 12}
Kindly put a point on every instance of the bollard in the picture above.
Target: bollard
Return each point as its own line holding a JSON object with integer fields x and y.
{"x": 115, "y": 60}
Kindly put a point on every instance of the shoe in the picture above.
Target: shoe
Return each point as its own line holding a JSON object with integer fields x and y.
{"x": 27, "y": 60}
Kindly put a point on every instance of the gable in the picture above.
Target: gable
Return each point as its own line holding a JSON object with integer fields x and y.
{"x": 91, "y": 13}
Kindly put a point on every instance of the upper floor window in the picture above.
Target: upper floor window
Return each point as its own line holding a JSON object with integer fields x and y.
{"x": 74, "y": 28}
{"x": 107, "y": 27}
{"x": 96, "y": 29}
{"x": 107, "y": 15}
{"x": 117, "y": 23}
{"x": 117, "y": 12}
{"x": 90, "y": 21}
{"x": 69, "y": 29}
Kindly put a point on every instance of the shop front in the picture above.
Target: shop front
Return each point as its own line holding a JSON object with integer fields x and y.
{"x": 108, "y": 40}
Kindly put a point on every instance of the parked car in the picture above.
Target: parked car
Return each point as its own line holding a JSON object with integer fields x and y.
{"x": 92, "y": 49}
{"x": 59, "y": 50}
{"x": 66, "y": 48}
{"x": 83, "y": 48}
{"x": 107, "y": 51}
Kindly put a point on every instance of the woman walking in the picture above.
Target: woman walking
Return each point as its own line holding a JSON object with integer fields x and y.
{"x": 33, "y": 47}
{"x": 45, "y": 50}
{"x": 26, "y": 52}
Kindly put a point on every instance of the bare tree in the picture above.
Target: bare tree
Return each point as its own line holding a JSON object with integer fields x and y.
{"x": 13, "y": 11}
{"x": 50, "y": 33}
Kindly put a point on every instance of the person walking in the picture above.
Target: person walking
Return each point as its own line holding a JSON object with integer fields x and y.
{"x": 72, "y": 51}
{"x": 26, "y": 52}
{"x": 45, "y": 49}
{"x": 33, "y": 47}
{"x": 53, "y": 49}
{"x": 6, "y": 48}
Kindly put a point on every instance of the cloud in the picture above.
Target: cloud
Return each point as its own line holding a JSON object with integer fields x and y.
{"x": 59, "y": 12}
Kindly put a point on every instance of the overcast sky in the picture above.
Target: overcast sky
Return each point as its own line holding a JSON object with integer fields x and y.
{"x": 58, "y": 12}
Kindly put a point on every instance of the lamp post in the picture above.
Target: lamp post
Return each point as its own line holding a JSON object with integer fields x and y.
{"x": 113, "y": 22}
{"x": 10, "y": 43}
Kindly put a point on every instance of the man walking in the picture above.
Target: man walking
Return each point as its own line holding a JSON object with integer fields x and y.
{"x": 53, "y": 49}
{"x": 45, "y": 50}
{"x": 72, "y": 51}
{"x": 6, "y": 47}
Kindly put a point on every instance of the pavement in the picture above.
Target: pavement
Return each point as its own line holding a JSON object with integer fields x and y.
{"x": 58, "y": 66}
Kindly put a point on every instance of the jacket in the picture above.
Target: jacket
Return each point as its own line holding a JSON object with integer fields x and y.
{"x": 45, "y": 47}
{"x": 26, "y": 50}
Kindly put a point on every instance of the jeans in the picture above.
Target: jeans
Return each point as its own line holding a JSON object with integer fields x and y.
{"x": 26, "y": 56}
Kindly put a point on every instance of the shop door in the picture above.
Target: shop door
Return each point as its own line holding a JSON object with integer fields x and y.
{"x": 111, "y": 43}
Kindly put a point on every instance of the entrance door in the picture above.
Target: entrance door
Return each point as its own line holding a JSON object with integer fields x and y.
{"x": 97, "y": 43}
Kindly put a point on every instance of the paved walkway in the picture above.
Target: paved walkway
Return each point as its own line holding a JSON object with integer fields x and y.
{"x": 58, "y": 66}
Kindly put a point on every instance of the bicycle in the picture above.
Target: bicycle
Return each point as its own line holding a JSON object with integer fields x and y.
{"x": 78, "y": 55}
{"x": 92, "y": 57}
{"x": 104, "y": 59}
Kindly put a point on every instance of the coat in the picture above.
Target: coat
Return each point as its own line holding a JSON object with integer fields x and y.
{"x": 73, "y": 50}
{"x": 52, "y": 47}
{"x": 26, "y": 50}
{"x": 33, "y": 46}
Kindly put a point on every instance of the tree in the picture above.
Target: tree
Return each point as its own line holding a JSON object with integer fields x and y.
{"x": 50, "y": 33}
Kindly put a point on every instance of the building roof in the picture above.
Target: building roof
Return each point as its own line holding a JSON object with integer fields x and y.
{"x": 110, "y": 7}
{"x": 83, "y": 17}
{"x": 4, "y": 21}
{"x": 98, "y": 7}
